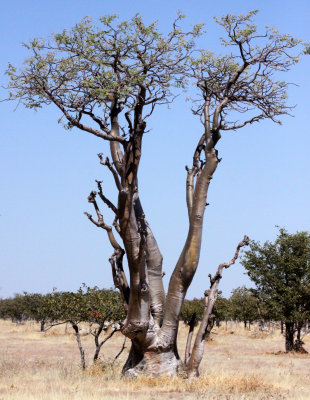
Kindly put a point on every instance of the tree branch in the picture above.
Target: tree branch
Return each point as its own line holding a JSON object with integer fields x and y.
{"x": 105, "y": 199}
{"x": 210, "y": 299}
{"x": 75, "y": 122}
{"x": 110, "y": 167}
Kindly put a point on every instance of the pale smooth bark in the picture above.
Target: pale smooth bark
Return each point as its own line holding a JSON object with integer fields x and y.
{"x": 152, "y": 320}
{"x": 189, "y": 258}
{"x": 194, "y": 361}
{"x": 78, "y": 339}
{"x": 154, "y": 261}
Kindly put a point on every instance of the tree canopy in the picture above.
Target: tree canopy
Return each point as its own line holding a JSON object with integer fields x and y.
{"x": 92, "y": 71}
{"x": 281, "y": 273}
{"x": 244, "y": 305}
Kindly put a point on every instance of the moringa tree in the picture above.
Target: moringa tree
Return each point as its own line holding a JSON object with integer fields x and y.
{"x": 107, "y": 81}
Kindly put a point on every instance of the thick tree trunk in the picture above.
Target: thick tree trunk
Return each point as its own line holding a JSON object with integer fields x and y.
{"x": 188, "y": 261}
{"x": 152, "y": 321}
{"x": 289, "y": 336}
{"x": 152, "y": 362}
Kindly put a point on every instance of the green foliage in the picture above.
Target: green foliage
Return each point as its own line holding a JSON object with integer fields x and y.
{"x": 243, "y": 304}
{"x": 281, "y": 273}
{"x": 306, "y": 48}
{"x": 84, "y": 68}
{"x": 87, "y": 304}
{"x": 241, "y": 25}
{"x": 245, "y": 79}
{"x": 13, "y": 308}
{"x": 36, "y": 306}
{"x": 189, "y": 307}
{"x": 222, "y": 309}
{"x": 90, "y": 69}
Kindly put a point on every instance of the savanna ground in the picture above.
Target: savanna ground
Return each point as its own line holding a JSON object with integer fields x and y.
{"x": 237, "y": 365}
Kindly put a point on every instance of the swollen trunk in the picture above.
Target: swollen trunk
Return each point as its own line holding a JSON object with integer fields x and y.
{"x": 152, "y": 361}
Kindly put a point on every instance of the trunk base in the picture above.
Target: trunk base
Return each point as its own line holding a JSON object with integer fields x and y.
{"x": 152, "y": 363}
{"x": 298, "y": 347}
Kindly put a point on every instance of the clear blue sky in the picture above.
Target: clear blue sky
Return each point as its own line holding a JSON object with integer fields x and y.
{"x": 47, "y": 173}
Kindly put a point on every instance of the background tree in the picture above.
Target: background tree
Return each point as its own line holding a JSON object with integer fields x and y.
{"x": 107, "y": 81}
{"x": 105, "y": 310}
{"x": 37, "y": 308}
{"x": 222, "y": 309}
{"x": 190, "y": 307}
{"x": 100, "y": 308}
{"x": 281, "y": 273}
{"x": 92, "y": 305}
{"x": 244, "y": 305}
{"x": 13, "y": 308}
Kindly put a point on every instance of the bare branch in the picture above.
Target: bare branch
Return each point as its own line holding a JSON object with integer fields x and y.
{"x": 190, "y": 189}
{"x": 110, "y": 167}
{"x": 210, "y": 299}
{"x": 121, "y": 350}
{"x": 105, "y": 199}
{"x": 119, "y": 277}
{"x": 75, "y": 122}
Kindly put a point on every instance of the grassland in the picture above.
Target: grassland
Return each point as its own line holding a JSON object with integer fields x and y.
{"x": 237, "y": 365}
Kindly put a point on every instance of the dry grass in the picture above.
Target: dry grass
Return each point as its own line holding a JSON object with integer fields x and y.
{"x": 36, "y": 366}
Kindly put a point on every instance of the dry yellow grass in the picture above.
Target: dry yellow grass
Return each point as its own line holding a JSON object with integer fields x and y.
{"x": 45, "y": 366}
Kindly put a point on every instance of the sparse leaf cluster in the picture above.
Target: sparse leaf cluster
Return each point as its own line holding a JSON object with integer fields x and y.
{"x": 244, "y": 83}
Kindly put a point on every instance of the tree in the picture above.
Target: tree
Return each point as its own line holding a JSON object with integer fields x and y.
{"x": 91, "y": 305}
{"x": 244, "y": 305}
{"x": 36, "y": 306}
{"x": 14, "y": 308}
{"x": 281, "y": 273}
{"x": 105, "y": 310}
{"x": 190, "y": 307}
{"x": 108, "y": 81}
{"x": 222, "y": 310}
